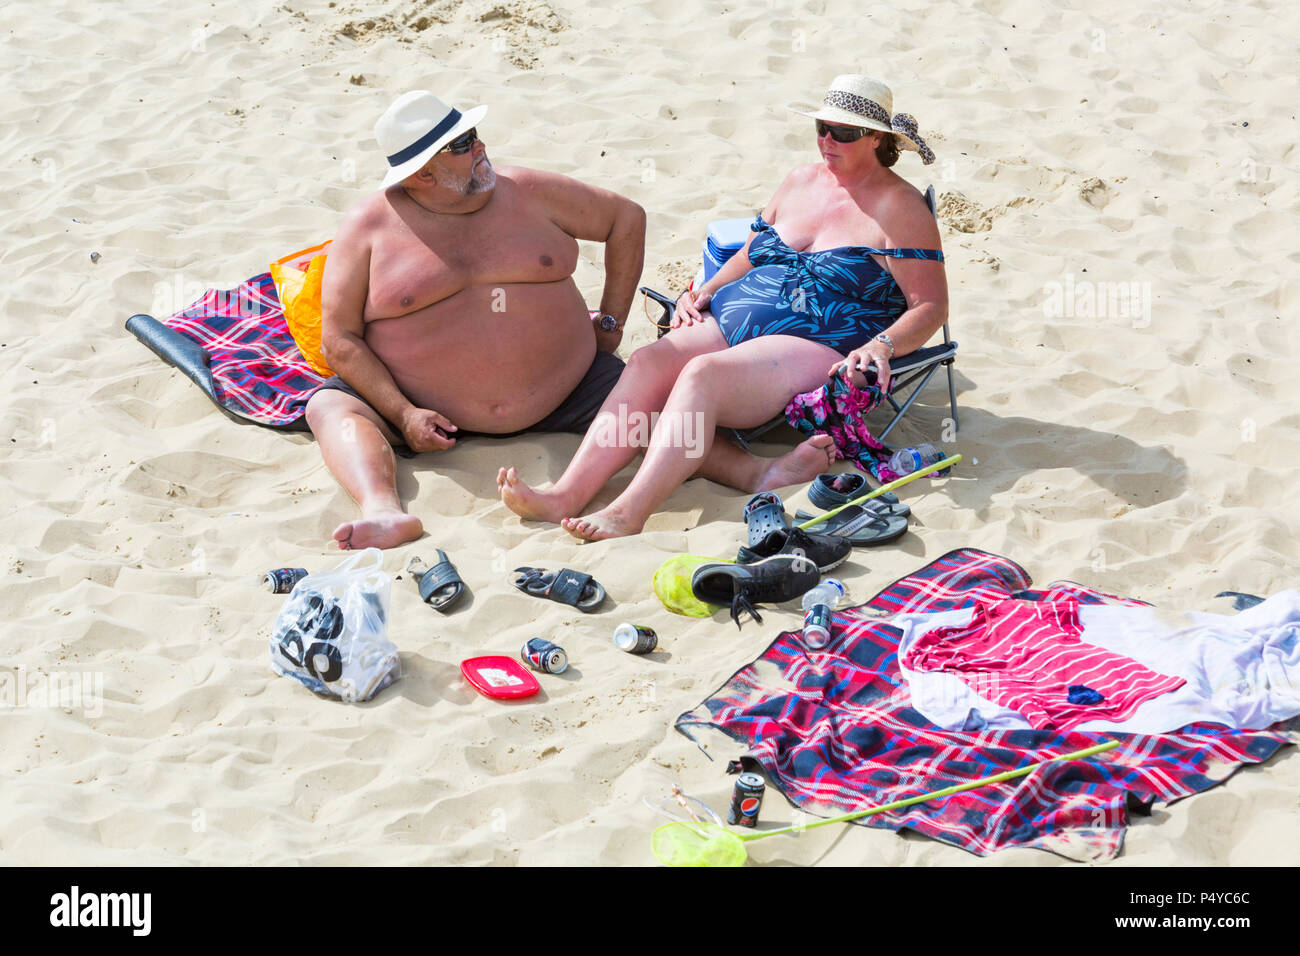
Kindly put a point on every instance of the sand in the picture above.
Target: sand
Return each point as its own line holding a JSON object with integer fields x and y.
{"x": 1150, "y": 451}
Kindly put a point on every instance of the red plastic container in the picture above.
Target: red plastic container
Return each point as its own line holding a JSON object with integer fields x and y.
{"x": 499, "y": 676}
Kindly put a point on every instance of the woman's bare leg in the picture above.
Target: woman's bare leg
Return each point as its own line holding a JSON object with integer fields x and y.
{"x": 729, "y": 464}
{"x": 642, "y": 389}
{"x": 740, "y": 387}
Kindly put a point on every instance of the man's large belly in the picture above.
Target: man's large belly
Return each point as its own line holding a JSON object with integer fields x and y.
{"x": 491, "y": 359}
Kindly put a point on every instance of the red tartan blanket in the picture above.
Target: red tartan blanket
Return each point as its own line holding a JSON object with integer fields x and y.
{"x": 256, "y": 367}
{"x": 834, "y": 731}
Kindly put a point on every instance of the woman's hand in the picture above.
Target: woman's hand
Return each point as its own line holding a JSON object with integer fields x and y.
{"x": 689, "y": 306}
{"x": 873, "y": 353}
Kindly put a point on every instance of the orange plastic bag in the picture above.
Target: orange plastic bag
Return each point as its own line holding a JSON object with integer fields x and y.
{"x": 297, "y": 279}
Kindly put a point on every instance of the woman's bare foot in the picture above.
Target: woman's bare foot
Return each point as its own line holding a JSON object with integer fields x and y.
{"x": 385, "y": 529}
{"x": 528, "y": 502}
{"x": 607, "y": 523}
{"x": 808, "y": 460}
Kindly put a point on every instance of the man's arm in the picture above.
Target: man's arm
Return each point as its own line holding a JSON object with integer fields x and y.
{"x": 597, "y": 215}
{"x": 343, "y": 301}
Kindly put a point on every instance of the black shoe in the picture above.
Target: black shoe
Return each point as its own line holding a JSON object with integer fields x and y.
{"x": 824, "y": 550}
{"x": 773, "y": 580}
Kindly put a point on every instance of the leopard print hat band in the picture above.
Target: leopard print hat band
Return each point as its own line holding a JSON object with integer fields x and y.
{"x": 903, "y": 123}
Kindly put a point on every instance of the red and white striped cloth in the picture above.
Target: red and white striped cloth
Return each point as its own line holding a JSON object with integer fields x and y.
{"x": 1026, "y": 655}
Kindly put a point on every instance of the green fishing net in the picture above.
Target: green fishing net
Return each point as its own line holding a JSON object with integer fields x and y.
{"x": 672, "y": 583}
{"x": 697, "y": 844}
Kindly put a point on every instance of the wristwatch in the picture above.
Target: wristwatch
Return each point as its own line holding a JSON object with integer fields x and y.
{"x": 610, "y": 324}
{"x": 882, "y": 337}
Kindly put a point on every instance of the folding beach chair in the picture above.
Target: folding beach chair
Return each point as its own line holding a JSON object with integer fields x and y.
{"x": 912, "y": 371}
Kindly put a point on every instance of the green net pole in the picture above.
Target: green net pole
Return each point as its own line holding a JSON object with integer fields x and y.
{"x": 946, "y": 792}
{"x": 898, "y": 483}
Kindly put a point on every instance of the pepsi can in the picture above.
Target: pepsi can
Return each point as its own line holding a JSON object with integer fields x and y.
{"x": 635, "y": 639}
{"x": 746, "y": 799}
{"x": 542, "y": 655}
{"x": 282, "y": 580}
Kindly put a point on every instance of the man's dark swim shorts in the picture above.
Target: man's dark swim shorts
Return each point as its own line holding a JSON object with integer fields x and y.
{"x": 574, "y": 414}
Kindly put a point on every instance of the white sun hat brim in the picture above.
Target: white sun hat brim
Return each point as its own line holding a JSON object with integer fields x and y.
{"x": 413, "y": 163}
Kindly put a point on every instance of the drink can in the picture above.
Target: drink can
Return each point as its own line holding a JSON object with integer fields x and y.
{"x": 817, "y": 626}
{"x": 746, "y": 799}
{"x": 282, "y": 580}
{"x": 541, "y": 655}
{"x": 818, "y": 616}
{"x": 635, "y": 639}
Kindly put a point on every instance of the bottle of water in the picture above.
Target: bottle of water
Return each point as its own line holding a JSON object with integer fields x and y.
{"x": 818, "y": 605}
{"x": 907, "y": 460}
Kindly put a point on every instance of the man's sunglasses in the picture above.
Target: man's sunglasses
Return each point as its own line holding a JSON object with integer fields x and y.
{"x": 462, "y": 144}
{"x": 842, "y": 134}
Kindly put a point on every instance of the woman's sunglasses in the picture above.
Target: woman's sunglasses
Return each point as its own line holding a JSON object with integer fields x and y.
{"x": 462, "y": 144}
{"x": 842, "y": 134}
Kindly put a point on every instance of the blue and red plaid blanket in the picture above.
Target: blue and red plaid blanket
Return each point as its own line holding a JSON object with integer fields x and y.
{"x": 256, "y": 367}
{"x": 835, "y": 732}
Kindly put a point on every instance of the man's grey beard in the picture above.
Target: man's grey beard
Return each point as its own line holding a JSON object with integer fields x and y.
{"x": 481, "y": 180}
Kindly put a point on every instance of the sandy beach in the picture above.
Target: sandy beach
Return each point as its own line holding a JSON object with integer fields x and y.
{"x": 1118, "y": 222}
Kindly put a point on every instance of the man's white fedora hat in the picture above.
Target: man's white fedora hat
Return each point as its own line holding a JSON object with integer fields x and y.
{"x": 417, "y": 126}
{"x": 856, "y": 100}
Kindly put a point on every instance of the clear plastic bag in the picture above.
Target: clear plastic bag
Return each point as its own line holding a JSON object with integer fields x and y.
{"x": 332, "y": 632}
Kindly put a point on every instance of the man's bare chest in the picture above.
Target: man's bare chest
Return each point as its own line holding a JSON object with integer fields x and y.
{"x": 418, "y": 265}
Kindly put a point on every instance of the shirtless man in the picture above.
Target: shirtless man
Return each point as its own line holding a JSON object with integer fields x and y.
{"x": 449, "y": 307}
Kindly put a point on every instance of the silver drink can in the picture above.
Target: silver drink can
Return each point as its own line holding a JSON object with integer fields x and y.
{"x": 282, "y": 580}
{"x": 635, "y": 639}
{"x": 541, "y": 655}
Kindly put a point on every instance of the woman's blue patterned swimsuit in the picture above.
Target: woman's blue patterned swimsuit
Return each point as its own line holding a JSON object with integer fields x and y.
{"x": 838, "y": 297}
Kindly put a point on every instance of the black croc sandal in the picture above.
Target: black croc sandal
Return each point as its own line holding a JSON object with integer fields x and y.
{"x": 764, "y": 513}
{"x": 565, "y": 586}
{"x": 832, "y": 489}
{"x": 440, "y": 586}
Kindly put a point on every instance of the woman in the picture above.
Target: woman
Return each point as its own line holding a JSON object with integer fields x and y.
{"x": 842, "y": 268}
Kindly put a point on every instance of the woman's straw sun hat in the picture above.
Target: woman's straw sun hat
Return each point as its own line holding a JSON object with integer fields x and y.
{"x": 856, "y": 100}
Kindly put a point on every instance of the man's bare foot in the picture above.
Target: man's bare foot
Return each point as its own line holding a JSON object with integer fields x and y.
{"x": 606, "y": 523}
{"x": 808, "y": 460}
{"x": 528, "y": 502}
{"x": 381, "y": 530}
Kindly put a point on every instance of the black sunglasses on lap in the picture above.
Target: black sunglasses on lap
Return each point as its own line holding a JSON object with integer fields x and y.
{"x": 842, "y": 134}
{"x": 462, "y": 144}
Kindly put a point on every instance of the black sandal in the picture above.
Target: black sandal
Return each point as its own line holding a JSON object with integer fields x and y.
{"x": 565, "y": 586}
{"x": 861, "y": 525}
{"x": 441, "y": 585}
